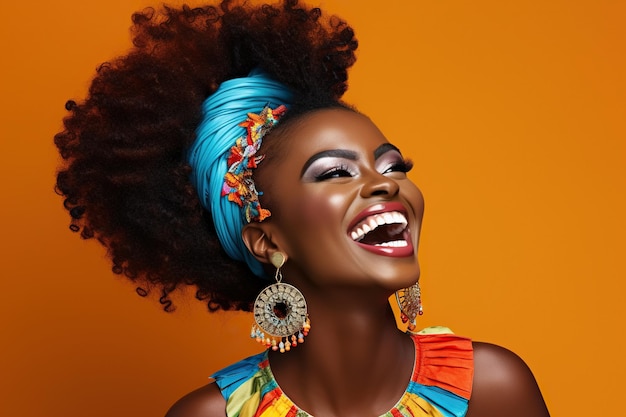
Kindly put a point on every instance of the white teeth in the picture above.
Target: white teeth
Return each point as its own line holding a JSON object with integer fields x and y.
{"x": 394, "y": 244}
{"x": 372, "y": 222}
{"x": 358, "y": 233}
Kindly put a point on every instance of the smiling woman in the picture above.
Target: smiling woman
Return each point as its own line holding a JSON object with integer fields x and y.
{"x": 342, "y": 177}
{"x": 218, "y": 154}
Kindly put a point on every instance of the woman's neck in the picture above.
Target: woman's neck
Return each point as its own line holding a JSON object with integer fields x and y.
{"x": 354, "y": 351}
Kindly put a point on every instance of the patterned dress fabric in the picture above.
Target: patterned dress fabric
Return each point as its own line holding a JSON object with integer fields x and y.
{"x": 440, "y": 385}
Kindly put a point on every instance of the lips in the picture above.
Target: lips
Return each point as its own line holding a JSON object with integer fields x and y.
{"x": 383, "y": 229}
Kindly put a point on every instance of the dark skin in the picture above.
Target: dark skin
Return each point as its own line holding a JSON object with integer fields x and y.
{"x": 347, "y": 287}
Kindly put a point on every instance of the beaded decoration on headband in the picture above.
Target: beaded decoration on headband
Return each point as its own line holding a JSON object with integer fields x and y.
{"x": 243, "y": 158}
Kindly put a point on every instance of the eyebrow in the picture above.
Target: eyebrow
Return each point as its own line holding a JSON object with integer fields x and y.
{"x": 336, "y": 153}
{"x": 384, "y": 148}
{"x": 346, "y": 154}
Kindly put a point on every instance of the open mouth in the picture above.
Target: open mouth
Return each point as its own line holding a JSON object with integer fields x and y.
{"x": 383, "y": 229}
{"x": 386, "y": 229}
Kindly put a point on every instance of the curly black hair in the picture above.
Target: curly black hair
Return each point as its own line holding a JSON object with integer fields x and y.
{"x": 125, "y": 178}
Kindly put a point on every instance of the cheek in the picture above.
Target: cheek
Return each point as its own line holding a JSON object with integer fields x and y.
{"x": 315, "y": 232}
{"x": 415, "y": 197}
{"x": 321, "y": 208}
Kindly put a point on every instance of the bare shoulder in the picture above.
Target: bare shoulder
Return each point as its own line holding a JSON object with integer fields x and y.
{"x": 206, "y": 401}
{"x": 503, "y": 385}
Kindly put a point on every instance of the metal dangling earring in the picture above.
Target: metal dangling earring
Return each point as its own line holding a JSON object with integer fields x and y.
{"x": 280, "y": 313}
{"x": 410, "y": 304}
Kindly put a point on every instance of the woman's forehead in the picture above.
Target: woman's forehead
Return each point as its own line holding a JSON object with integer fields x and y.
{"x": 328, "y": 130}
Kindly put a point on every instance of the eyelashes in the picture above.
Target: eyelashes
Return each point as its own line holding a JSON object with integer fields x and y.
{"x": 345, "y": 171}
{"x": 335, "y": 172}
{"x": 403, "y": 166}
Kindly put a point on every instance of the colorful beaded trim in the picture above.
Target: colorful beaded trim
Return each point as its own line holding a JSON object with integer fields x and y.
{"x": 243, "y": 158}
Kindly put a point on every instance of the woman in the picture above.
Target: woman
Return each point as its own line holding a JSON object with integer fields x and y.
{"x": 218, "y": 153}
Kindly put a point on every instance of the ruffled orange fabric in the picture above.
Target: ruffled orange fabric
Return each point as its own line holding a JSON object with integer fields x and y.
{"x": 445, "y": 361}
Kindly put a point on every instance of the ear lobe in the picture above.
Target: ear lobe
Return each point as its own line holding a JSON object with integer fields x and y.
{"x": 258, "y": 242}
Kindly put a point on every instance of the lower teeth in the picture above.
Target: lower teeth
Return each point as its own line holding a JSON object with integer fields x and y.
{"x": 394, "y": 244}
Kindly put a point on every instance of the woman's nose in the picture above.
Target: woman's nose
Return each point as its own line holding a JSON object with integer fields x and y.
{"x": 377, "y": 184}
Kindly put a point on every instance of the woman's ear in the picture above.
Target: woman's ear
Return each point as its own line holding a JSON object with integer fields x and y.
{"x": 258, "y": 239}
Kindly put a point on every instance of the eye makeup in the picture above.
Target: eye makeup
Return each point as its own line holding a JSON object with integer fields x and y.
{"x": 339, "y": 163}
{"x": 336, "y": 153}
{"x": 393, "y": 161}
{"x": 328, "y": 168}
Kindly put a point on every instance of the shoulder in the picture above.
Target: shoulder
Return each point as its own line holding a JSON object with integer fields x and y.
{"x": 206, "y": 401}
{"x": 503, "y": 385}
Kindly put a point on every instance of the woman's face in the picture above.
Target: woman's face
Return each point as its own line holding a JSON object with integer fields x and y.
{"x": 343, "y": 209}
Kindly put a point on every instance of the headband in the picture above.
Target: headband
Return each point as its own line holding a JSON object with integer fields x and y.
{"x": 232, "y": 129}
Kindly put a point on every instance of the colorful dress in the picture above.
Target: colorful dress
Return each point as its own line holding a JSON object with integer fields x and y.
{"x": 440, "y": 385}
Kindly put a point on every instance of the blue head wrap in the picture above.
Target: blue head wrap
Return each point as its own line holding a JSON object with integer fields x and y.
{"x": 223, "y": 111}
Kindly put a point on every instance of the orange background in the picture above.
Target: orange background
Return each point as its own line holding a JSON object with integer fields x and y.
{"x": 513, "y": 113}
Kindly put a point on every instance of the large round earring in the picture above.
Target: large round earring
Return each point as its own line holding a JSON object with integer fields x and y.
{"x": 280, "y": 313}
{"x": 410, "y": 304}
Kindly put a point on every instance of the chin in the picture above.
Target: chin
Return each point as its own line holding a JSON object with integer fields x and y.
{"x": 395, "y": 282}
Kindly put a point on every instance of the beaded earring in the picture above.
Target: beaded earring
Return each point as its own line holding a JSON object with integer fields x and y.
{"x": 410, "y": 304}
{"x": 280, "y": 313}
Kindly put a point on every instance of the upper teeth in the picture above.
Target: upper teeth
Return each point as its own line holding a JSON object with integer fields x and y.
{"x": 372, "y": 222}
